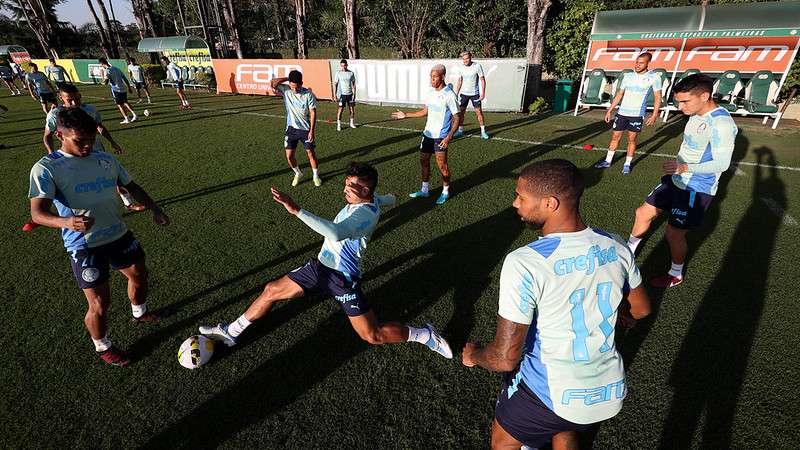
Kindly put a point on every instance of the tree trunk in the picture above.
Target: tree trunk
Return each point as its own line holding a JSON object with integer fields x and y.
{"x": 229, "y": 13}
{"x": 411, "y": 20}
{"x": 352, "y": 28}
{"x": 116, "y": 30}
{"x": 537, "y": 16}
{"x": 109, "y": 27}
{"x": 182, "y": 17}
{"x": 138, "y": 16}
{"x": 104, "y": 42}
{"x": 300, "y": 21}
{"x": 34, "y": 22}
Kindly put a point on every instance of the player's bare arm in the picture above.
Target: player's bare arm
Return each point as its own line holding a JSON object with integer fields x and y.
{"x": 277, "y": 81}
{"x": 103, "y": 131}
{"x": 139, "y": 194}
{"x": 312, "y": 123}
{"x": 503, "y": 353}
{"x": 48, "y": 140}
{"x": 286, "y": 201}
{"x": 458, "y": 85}
{"x": 656, "y": 109}
{"x": 637, "y": 306}
{"x": 483, "y": 88}
{"x": 674, "y": 168}
{"x": 399, "y": 115}
{"x": 614, "y": 103}
{"x": 455, "y": 121}
{"x": 41, "y": 214}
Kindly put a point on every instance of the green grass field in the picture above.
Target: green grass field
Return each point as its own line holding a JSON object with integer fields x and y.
{"x": 715, "y": 366}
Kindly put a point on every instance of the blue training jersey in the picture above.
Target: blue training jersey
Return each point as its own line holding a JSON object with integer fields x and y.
{"x": 117, "y": 79}
{"x": 567, "y": 287}
{"x": 442, "y": 106}
{"x": 707, "y": 148}
{"x": 51, "y": 122}
{"x": 637, "y": 88}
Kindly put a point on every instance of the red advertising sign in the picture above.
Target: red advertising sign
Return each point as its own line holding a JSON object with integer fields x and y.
{"x": 253, "y": 76}
{"x": 745, "y": 55}
{"x": 20, "y": 57}
{"x": 619, "y": 55}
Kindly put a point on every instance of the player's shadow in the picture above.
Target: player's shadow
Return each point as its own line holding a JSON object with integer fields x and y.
{"x": 709, "y": 370}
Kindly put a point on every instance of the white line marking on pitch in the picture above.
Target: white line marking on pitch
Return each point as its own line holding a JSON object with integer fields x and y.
{"x": 779, "y": 211}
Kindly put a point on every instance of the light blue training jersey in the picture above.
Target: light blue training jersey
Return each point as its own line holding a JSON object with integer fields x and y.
{"x": 82, "y": 186}
{"x": 470, "y": 76}
{"x": 298, "y": 106}
{"x": 637, "y": 88}
{"x": 346, "y": 81}
{"x": 57, "y": 72}
{"x": 442, "y": 106}
{"x": 174, "y": 71}
{"x": 117, "y": 79}
{"x": 51, "y": 122}
{"x": 137, "y": 73}
{"x": 567, "y": 287}
{"x": 707, "y": 148}
{"x": 39, "y": 82}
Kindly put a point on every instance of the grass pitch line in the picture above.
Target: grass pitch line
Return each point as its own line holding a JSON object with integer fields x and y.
{"x": 503, "y": 139}
{"x": 779, "y": 211}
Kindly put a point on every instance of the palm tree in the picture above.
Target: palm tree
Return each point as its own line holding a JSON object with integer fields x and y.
{"x": 105, "y": 41}
{"x": 351, "y": 27}
{"x": 40, "y": 16}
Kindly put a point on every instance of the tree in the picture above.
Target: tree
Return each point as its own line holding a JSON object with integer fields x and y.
{"x": 411, "y": 19}
{"x": 108, "y": 29}
{"x": 300, "y": 25}
{"x": 105, "y": 42}
{"x": 351, "y": 28}
{"x": 229, "y": 13}
{"x": 537, "y": 19}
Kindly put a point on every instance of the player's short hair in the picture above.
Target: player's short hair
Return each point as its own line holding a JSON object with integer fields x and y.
{"x": 165, "y": 59}
{"x": 557, "y": 178}
{"x": 466, "y": 53}
{"x": 696, "y": 84}
{"x": 344, "y": 61}
{"x": 131, "y": 60}
{"x": 647, "y": 55}
{"x": 295, "y": 76}
{"x": 76, "y": 119}
{"x": 34, "y": 65}
{"x": 52, "y": 60}
{"x": 439, "y": 68}
{"x": 364, "y": 172}
{"x": 67, "y": 88}
{"x": 102, "y": 60}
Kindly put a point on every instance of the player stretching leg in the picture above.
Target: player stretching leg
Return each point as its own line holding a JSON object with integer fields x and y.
{"x": 691, "y": 181}
{"x": 137, "y": 76}
{"x": 632, "y": 100}
{"x": 337, "y": 269}
{"x": 80, "y": 183}
{"x": 345, "y": 89}
{"x": 470, "y": 74}
{"x": 120, "y": 87}
{"x": 301, "y": 121}
{"x": 40, "y": 88}
{"x": 175, "y": 71}
{"x": 441, "y": 108}
{"x": 560, "y": 299}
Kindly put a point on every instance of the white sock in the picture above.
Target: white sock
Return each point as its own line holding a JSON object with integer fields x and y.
{"x": 461, "y": 129}
{"x": 628, "y": 160}
{"x": 126, "y": 199}
{"x": 338, "y": 122}
{"x": 676, "y": 270}
{"x": 297, "y": 170}
{"x": 421, "y": 335}
{"x": 610, "y": 156}
{"x": 633, "y": 242}
{"x": 315, "y": 172}
{"x": 425, "y": 186}
{"x": 139, "y": 310}
{"x": 483, "y": 129}
{"x": 101, "y": 345}
{"x": 236, "y": 328}
{"x": 446, "y": 189}
{"x": 352, "y": 121}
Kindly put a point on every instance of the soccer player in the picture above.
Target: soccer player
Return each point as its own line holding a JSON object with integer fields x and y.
{"x": 57, "y": 73}
{"x": 71, "y": 98}
{"x": 40, "y": 88}
{"x": 471, "y": 87}
{"x": 175, "y": 71}
{"x": 137, "y": 76}
{"x": 301, "y": 121}
{"x": 560, "y": 298}
{"x": 691, "y": 181}
{"x": 7, "y": 75}
{"x": 120, "y": 87}
{"x": 631, "y": 97}
{"x": 81, "y": 184}
{"x": 345, "y": 89}
{"x": 441, "y": 108}
{"x": 337, "y": 269}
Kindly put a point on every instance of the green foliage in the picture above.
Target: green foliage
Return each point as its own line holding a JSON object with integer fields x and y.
{"x": 792, "y": 79}
{"x": 487, "y": 28}
{"x": 538, "y": 106}
{"x": 154, "y": 72}
{"x": 205, "y": 79}
{"x": 567, "y": 37}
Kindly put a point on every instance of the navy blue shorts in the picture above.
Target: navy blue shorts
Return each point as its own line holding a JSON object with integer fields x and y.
{"x": 526, "y": 418}
{"x": 7, "y": 77}
{"x": 346, "y": 99}
{"x": 91, "y": 265}
{"x": 139, "y": 84}
{"x": 465, "y": 99}
{"x": 686, "y": 208}
{"x": 430, "y": 145}
{"x": 294, "y": 136}
{"x": 47, "y": 97}
{"x": 179, "y": 85}
{"x": 627, "y": 123}
{"x": 317, "y": 278}
{"x": 120, "y": 98}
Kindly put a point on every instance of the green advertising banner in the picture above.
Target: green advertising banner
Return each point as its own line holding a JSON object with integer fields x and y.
{"x": 90, "y": 71}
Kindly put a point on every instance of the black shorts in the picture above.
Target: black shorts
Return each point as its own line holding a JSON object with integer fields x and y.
{"x": 525, "y": 417}
{"x": 47, "y": 97}
{"x": 686, "y": 208}
{"x": 465, "y": 99}
{"x": 430, "y": 145}
{"x": 294, "y": 136}
{"x": 317, "y": 278}
{"x": 627, "y": 123}
{"x": 139, "y": 84}
{"x": 91, "y": 265}
{"x": 120, "y": 98}
{"x": 179, "y": 85}
{"x": 60, "y": 84}
{"x": 8, "y": 78}
{"x": 346, "y": 99}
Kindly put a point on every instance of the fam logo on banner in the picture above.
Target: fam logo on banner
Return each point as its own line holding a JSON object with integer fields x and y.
{"x": 407, "y": 82}
{"x": 253, "y": 76}
{"x": 20, "y": 57}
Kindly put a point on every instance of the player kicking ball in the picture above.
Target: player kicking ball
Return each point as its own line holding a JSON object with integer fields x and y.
{"x": 81, "y": 184}
{"x": 337, "y": 269}
{"x": 175, "y": 71}
{"x": 301, "y": 121}
{"x": 120, "y": 87}
{"x": 560, "y": 299}
{"x": 691, "y": 181}
{"x": 441, "y": 109}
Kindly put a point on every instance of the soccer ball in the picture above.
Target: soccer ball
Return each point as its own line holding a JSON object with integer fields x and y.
{"x": 147, "y": 113}
{"x": 195, "y": 351}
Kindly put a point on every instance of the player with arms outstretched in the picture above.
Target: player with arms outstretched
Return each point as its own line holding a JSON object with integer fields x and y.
{"x": 560, "y": 299}
{"x": 337, "y": 269}
{"x": 691, "y": 181}
{"x": 441, "y": 109}
{"x": 81, "y": 184}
